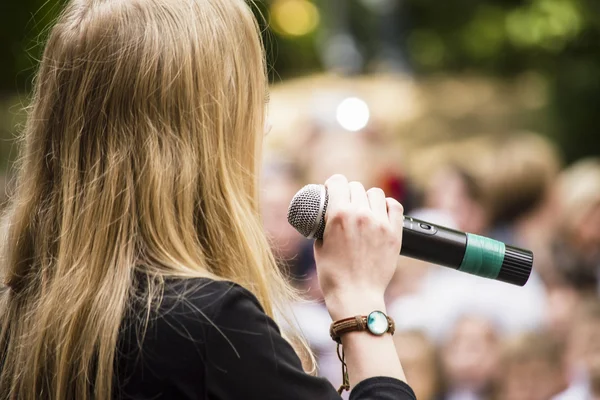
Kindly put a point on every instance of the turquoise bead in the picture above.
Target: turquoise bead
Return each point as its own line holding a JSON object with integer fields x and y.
{"x": 377, "y": 323}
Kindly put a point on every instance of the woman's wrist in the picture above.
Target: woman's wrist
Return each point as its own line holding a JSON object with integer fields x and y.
{"x": 365, "y": 355}
{"x": 351, "y": 303}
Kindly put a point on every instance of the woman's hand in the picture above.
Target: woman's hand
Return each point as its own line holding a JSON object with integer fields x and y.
{"x": 358, "y": 254}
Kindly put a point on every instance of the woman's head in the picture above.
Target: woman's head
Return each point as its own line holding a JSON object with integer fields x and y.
{"x": 532, "y": 368}
{"x": 153, "y": 110}
{"x": 458, "y": 192}
{"x": 420, "y": 362}
{"x": 525, "y": 166}
{"x": 583, "y": 342}
{"x": 140, "y": 154}
{"x": 162, "y": 100}
{"x": 470, "y": 354}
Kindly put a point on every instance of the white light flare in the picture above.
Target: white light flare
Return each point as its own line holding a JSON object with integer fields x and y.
{"x": 352, "y": 114}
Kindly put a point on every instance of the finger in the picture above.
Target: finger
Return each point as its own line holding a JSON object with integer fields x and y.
{"x": 395, "y": 213}
{"x": 338, "y": 192}
{"x": 358, "y": 196}
{"x": 378, "y": 204}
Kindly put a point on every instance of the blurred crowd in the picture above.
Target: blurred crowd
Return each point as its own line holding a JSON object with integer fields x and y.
{"x": 459, "y": 337}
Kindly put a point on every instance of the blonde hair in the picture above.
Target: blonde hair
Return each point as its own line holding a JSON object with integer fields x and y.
{"x": 140, "y": 158}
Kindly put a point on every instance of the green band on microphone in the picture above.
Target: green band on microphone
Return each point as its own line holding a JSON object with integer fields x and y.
{"x": 483, "y": 257}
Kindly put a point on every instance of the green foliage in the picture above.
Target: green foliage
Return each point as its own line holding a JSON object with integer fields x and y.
{"x": 23, "y": 24}
{"x": 500, "y": 36}
{"x": 558, "y": 39}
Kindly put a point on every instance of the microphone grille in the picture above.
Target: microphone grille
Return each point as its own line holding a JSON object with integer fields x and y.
{"x": 307, "y": 211}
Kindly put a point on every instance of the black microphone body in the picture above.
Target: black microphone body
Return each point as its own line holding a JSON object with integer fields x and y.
{"x": 425, "y": 241}
{"x": 428, "y": 242}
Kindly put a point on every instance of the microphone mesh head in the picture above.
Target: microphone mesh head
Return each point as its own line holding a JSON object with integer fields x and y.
{"x": 307, "y": 211}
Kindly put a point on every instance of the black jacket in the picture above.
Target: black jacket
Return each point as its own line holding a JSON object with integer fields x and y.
{"x": 212, "y": 340}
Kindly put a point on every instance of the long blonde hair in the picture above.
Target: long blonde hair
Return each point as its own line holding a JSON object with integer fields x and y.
{"x": 140, "y": 158}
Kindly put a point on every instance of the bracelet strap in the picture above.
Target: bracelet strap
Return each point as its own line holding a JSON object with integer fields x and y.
{"x": 345, "y": 380}
{"x": 346, "y": 325}
{"x": 355, "y": 324}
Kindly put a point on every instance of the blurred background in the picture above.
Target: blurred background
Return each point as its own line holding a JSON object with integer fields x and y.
{"x": 480, "y": 115}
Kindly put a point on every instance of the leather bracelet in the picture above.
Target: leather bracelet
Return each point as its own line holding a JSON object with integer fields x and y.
{"x": 377, "y": 323}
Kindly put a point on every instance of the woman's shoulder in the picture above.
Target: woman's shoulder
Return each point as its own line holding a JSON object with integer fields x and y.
{"x": 204, "y": 296}
{"x": 193, "y": 302}
{"x": 208, "y": 293}
{"x": 169, "y": 342}
{"x": 186, "y": 311}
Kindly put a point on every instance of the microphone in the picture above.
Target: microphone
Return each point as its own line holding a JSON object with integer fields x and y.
{"x": 466, "y": 252}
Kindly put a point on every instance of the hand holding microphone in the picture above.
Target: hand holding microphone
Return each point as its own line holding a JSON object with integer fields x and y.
{"x": 355, "y": 264}
{"x": 357, "y": 260}
{"x": 422, "y": 240}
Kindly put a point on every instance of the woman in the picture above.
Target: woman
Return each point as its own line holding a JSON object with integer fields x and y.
{"x": 135, "y": 261}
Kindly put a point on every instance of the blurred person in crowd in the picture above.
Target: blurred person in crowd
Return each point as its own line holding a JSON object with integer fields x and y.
{"x": 470, "y": 358}
{"x": 365, "y": 156}
{"x": 532, "y": 367}
{"x": 412, "y": 292}
{"x": 570, "y": 282}
{"x": 338, "y": 151}
{"x": 431, "y": 298}
{"x": 502, "y": 189}
{"x": 583, "y": 351}
{"x": 421, "y": 363}
{"x": 459, "y": 194}
{"x": 519, "y": 186}
{"x": 281, "y": 180}
{"x": 578, "y": 195}
{"x": 455, "y": 190}
{"x": 594, "y": 375}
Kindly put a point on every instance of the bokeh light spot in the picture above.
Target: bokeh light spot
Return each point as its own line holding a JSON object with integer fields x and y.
{"x": 353, "y": 114}
{"x": 294, "y": 17}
